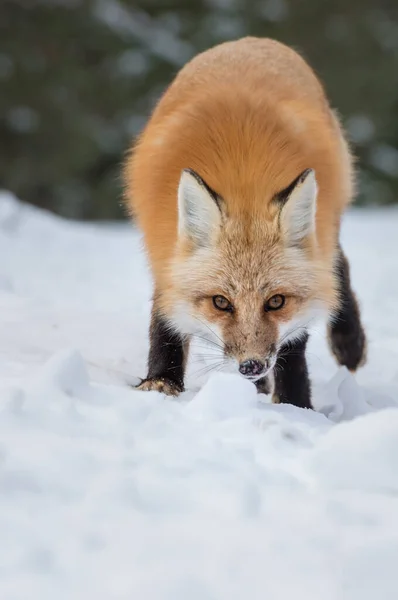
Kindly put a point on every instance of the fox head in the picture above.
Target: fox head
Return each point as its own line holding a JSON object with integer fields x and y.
{"x": 247, "y": 282}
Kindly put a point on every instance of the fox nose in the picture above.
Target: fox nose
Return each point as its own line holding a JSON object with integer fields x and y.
{"x": 251, "y": 367}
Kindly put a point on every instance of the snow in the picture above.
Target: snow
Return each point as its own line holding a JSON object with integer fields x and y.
{"x": 114, "y": 494}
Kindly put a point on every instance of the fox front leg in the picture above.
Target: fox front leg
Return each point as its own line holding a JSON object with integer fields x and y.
{"x": 292, "y": 382}
{"x": 167, "y": 358}
{"x": 347, "y": 339}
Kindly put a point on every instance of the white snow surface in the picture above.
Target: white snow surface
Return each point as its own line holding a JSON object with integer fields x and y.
{"x": 107, "y": 493}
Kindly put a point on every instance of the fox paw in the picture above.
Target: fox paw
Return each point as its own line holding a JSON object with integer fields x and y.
{"x": 264, "y": 386}
{"x": 275, "y": 399}
{"x": 349, "y": 348}
{"x": 160, "y": 384}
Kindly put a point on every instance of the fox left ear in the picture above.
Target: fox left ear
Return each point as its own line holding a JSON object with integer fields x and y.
{"x": 199, "y": 214}
{"x": 297, "y": 216}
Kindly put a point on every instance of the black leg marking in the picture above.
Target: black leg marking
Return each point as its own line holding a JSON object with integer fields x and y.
{"x": 292, "y": 383}
{"x": 347, "y": 338}
{"x": 167, "y": 358}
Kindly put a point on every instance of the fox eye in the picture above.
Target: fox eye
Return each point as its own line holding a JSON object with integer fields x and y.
{"x": 221, "y": 303}
{"x": 274, "y": 303}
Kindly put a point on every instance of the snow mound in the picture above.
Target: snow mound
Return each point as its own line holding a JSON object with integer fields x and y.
{"x": 114, "y": 494}
{"x": 360, "y": 455}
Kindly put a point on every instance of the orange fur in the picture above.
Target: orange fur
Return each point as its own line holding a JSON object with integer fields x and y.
{"x": 249, "y": 116}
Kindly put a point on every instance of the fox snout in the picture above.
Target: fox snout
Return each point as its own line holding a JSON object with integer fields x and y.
{"x": 254, "y": 368}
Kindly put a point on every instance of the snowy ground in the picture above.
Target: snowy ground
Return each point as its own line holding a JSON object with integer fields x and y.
{"x": 111, "y": 494}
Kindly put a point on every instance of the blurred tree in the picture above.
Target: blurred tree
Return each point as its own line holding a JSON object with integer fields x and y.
{"x": 79, "y": 78}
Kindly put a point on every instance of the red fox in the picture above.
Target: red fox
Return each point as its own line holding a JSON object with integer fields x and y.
{"x": 238, "y": 182}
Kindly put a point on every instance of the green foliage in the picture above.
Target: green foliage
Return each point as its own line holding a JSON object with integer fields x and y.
{"x": 79, "y": 77}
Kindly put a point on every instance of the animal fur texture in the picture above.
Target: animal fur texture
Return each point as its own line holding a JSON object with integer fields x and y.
{"x": 239, "y": 181}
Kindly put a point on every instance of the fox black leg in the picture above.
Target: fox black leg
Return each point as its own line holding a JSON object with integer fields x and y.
{"x": 292, "y": 383}
{"x": 167, "y": 358}
{"x": 347, "y": 338}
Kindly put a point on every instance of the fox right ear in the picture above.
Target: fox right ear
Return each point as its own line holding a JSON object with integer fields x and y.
{"x": 297, "y": 216}
{"x": 199, "y": 215}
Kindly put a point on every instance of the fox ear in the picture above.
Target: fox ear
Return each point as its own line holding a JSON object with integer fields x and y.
{"x": 199, "y": 215}
{"x": 297, "y": 217}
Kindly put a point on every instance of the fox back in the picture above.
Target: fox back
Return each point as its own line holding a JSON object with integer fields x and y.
{"x": 238, "y": 182}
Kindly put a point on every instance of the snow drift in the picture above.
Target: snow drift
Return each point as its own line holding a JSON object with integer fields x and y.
{"x": 110, "y": 493}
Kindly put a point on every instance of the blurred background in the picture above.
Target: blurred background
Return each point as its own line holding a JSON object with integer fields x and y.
{"x": 78, "y": 79}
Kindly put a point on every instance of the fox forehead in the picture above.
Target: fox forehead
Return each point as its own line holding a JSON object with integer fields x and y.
{"x": 240, "y": 268}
